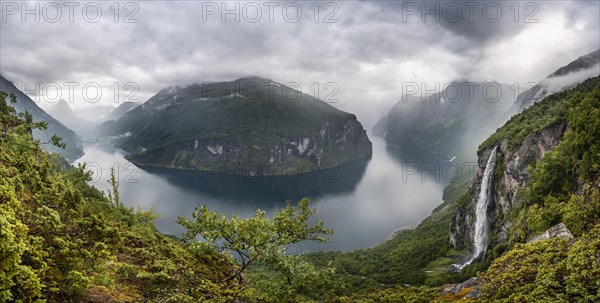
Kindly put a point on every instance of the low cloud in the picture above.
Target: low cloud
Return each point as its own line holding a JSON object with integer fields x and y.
{"x": 366, "y": 47}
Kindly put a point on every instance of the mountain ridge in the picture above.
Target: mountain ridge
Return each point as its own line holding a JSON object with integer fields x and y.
{"x": 447, "y": 128}
{"x": 73, "y": 148}
{"x": 250, "y": 126}
{"x": 584, "y": 67}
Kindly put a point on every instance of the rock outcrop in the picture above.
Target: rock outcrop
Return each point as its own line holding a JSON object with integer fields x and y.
{"x": 511, "y": 175}
{"x": 332, "y": 145}
{"x": 467, "y": 289}
{"x": 558, "y": 231}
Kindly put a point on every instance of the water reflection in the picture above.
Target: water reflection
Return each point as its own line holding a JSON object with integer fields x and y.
{"x": 267, "y": 190}
{"x": 368, "y": 200}
{"x": 406, "y": 154}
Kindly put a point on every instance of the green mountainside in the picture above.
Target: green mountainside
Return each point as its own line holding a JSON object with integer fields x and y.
{"x": 250, "y": 126}
{"x": 72, "y": 150}
{"x": 64, "y": 241}
{"x": 563, "y": 185}
{"x": 118, "y": 112}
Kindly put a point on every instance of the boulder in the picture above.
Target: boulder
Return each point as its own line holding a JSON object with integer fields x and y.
{"x": 558, "y": 231}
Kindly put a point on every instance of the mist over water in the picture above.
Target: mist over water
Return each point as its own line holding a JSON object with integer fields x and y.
{"x": 364, "y": 202}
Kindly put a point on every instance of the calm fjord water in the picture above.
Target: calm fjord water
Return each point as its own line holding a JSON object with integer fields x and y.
{"x": 364, "y": 202}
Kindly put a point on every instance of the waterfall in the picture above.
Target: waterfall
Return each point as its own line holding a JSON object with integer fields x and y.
{"x": 480, "y": 238}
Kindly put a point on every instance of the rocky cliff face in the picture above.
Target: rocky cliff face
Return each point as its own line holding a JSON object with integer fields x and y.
{"x": 250, "y": 126}
{"x": 511, "y": 175}
{"x": 334, "y": 144}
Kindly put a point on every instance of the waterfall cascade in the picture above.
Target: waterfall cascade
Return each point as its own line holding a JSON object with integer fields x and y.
{"x": 480, "y": 238}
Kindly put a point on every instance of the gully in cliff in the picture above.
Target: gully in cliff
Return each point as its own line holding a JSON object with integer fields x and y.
{"x": 480, "y": 238}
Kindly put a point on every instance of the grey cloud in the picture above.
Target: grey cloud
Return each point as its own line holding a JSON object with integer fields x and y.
{"x": 369, "y": 53}
{"x": 478, "y": 21}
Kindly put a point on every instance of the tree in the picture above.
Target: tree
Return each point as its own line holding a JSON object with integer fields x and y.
{"x": 114, "y": 197}
{"x": 261, "y": 240}
{"x": 62, "y": 241}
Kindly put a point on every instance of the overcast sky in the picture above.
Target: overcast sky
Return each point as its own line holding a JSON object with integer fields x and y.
{"x": 367, "y": 48}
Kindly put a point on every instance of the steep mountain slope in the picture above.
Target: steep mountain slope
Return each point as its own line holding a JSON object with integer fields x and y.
{"x": 62, "y": 112}
{"x": 73, "y": 148}
{"x": 419, "y": 256}
{"x": 248, "y": 126}
{"x": 62, "y": 240}
{"x": 449, "y": 123}
{"x": 380, "y": 128}
{"x": 547, "y": 171}
{"x": 567, "y": 76}
{"x": 120, "y": 111}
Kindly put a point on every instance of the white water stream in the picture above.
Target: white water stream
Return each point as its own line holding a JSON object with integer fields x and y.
{"x": 480, "y": 239}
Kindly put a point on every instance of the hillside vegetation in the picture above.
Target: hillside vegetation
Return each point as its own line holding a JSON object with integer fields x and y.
{"x": 23, "y": 103}
{"x": 564, "y": 187}
{"x": 64, "y": 241}
{"x": 250, "y": 126}
{"x": 565, "y": 183}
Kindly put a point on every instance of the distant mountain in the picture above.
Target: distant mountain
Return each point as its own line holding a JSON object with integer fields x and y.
{"x": 565, "y": 77}
{"x": 24, "y": 103}
{"x": 248, "y": 126}
{"x": 380, "y": 128}
{"x": 94, "y": 113}
{"x": 120, "y": 111}
{"x": 449, "y": 123}
{"x": 83, "y": 121}
{"x": 63, "y": 113}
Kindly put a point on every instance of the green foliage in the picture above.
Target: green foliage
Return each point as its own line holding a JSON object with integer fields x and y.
{"x": 546, "y": 271}
{"x": 550, "y": 111}
{"x": 253, "y": 120}
{"x": 58, "y": 141}
{"x": 582, "y": 211}
{"x": 263, "y": 240}
{"x": 561, "y": 186}
{"x": 526, "y": 270}
{"x": 583, "y": 267}
{"x": 62, "y": 241}
{"x": 113, "y": 196}
{"x": 398, "y": 294}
